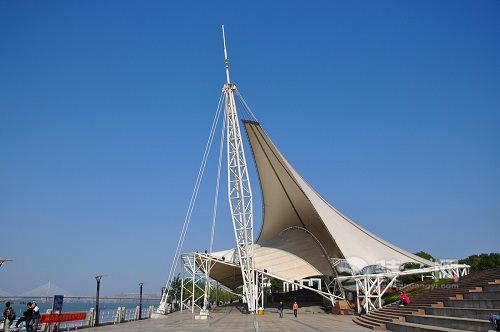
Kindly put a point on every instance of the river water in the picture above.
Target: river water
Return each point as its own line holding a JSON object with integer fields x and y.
{"x": 82, "y": 305}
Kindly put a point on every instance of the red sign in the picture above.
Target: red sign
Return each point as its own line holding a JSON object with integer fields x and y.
{"x": 65, "y": 317}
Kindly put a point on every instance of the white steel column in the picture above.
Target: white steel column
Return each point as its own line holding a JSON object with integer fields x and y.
{"x": 182, "y": 292}
{"x": 191, "y": 285}
{"x": 239, "y": 192}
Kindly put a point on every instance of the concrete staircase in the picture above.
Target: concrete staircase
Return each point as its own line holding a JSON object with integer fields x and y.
{"x": 464, "y": 306}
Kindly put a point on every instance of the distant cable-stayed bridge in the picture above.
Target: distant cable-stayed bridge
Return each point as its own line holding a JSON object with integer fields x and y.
{"x": 48, "y": 290}
{"x": 102, "y": 298}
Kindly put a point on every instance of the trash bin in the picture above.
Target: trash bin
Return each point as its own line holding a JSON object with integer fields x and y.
{"x": 260, "y": 311}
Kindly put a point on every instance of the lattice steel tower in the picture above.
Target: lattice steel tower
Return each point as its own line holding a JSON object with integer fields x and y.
{"x": 239, "y": 191}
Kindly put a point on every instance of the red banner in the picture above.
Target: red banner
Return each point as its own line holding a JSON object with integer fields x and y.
{"x": 65, "y": 317}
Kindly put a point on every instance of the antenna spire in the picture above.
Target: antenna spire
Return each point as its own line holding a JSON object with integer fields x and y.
{"x": 226, "y": 60}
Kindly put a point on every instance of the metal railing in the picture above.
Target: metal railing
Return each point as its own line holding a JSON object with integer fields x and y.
{"x": 106, "y": 317}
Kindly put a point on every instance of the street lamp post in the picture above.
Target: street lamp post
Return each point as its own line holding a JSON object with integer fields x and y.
{"x": 217, "y": 295}
{"x": 98, "y": 280}
{"x": 140, "y": 300}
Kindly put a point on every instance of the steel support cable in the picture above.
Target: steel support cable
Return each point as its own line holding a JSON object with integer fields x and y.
{"x": 217, "y": 185}
{"x": 194, "y": 196}
{"x": 202, "y": 170}
{"x": 192, "y": 201}
{"x": 245, "y": 106}
{"x": 214, "y": 212}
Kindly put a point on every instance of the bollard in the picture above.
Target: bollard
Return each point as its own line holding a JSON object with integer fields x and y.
{"x": 116, "y": 320}
{"x": 137, "y": 314}
{"x": 151, "y": 311}
{"x": 122, "y": 314}
{"x": 90, "y": 318}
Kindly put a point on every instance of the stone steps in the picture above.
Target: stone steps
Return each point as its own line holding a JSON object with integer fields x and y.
{"x": 469, "y": 324}
{"x": 484, "y": 303}
{"x": 475, "y": 313}
{"x": 481, "y": 281}
{"x": 465, "y": 305}
{"x": 447, "y": 291}
{"x": 435, "y": 298}
{"x": 413, "y": 327}
{"x": 482, "y": 296}
{"x": 426, "y": 301}
{"x": 423, "y": 306}
{"x": 399, "y": 310}
{"x": 378, "y": 319}
{"x": 368, "y": 323}
{"x": 484, "y": 281}
{"x": 388, "y": 317}
{"x": 491, "y": 288}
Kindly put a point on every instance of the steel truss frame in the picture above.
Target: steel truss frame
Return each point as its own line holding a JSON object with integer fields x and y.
{"x": 371, "y": 288}
{"x": 449, "y": 271}
{"x": 192, "y": 280}
{"x": 239, "y": 191}
{"x": 240, "y": 199}
{"x": 195, "y": 279}
{"x": 199, "y": 262}
{"x": 334, "y": 288}
{"x": 327, "y": 294}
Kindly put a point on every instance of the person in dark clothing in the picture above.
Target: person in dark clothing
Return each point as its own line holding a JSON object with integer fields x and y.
{"x": 35, "y": 319}
{"x": 495, "y": 321}
{"x": 280, "y": 309}
{"x": 9, "y": 316}
{"x": 27, "y": 315}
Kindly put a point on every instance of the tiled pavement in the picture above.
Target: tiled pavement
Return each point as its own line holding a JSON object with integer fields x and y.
{"x": 230, "y": 319}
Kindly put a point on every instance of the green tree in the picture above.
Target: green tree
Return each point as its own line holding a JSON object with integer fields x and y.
{"x": 412, "y": 266}
{"x": 482, "y": 262}
{"x": 425, "y": 255}
{"x": 276, "y": 285}
{"x": 222, "y": 296}
{"x": 174, "y": 290}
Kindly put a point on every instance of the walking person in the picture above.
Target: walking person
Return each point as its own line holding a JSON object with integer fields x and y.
{"x": 9, "y": 316}
{"x": 280, "y": 309}
{"x": 35, "y": 318}
{"x": 26, "y": 318}
{"x": 295, "y": 308}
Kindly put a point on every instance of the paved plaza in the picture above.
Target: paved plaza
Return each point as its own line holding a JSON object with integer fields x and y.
{"x": 230, "y": 319}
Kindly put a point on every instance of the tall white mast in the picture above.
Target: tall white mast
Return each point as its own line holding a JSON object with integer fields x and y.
{"x": 226, "y": 60}
{"x": 239, "y": 191}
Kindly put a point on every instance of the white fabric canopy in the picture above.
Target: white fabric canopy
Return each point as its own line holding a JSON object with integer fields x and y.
{"x": 290, "y": 201}
{"x": 301, "y": 230}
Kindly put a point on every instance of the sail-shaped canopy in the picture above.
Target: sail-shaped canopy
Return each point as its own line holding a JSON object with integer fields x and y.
{"x": 290, "y": 201}
{"x": 301, "y": 231}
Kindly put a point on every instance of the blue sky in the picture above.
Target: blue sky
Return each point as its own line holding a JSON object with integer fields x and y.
{"x": 390, "y": 109}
